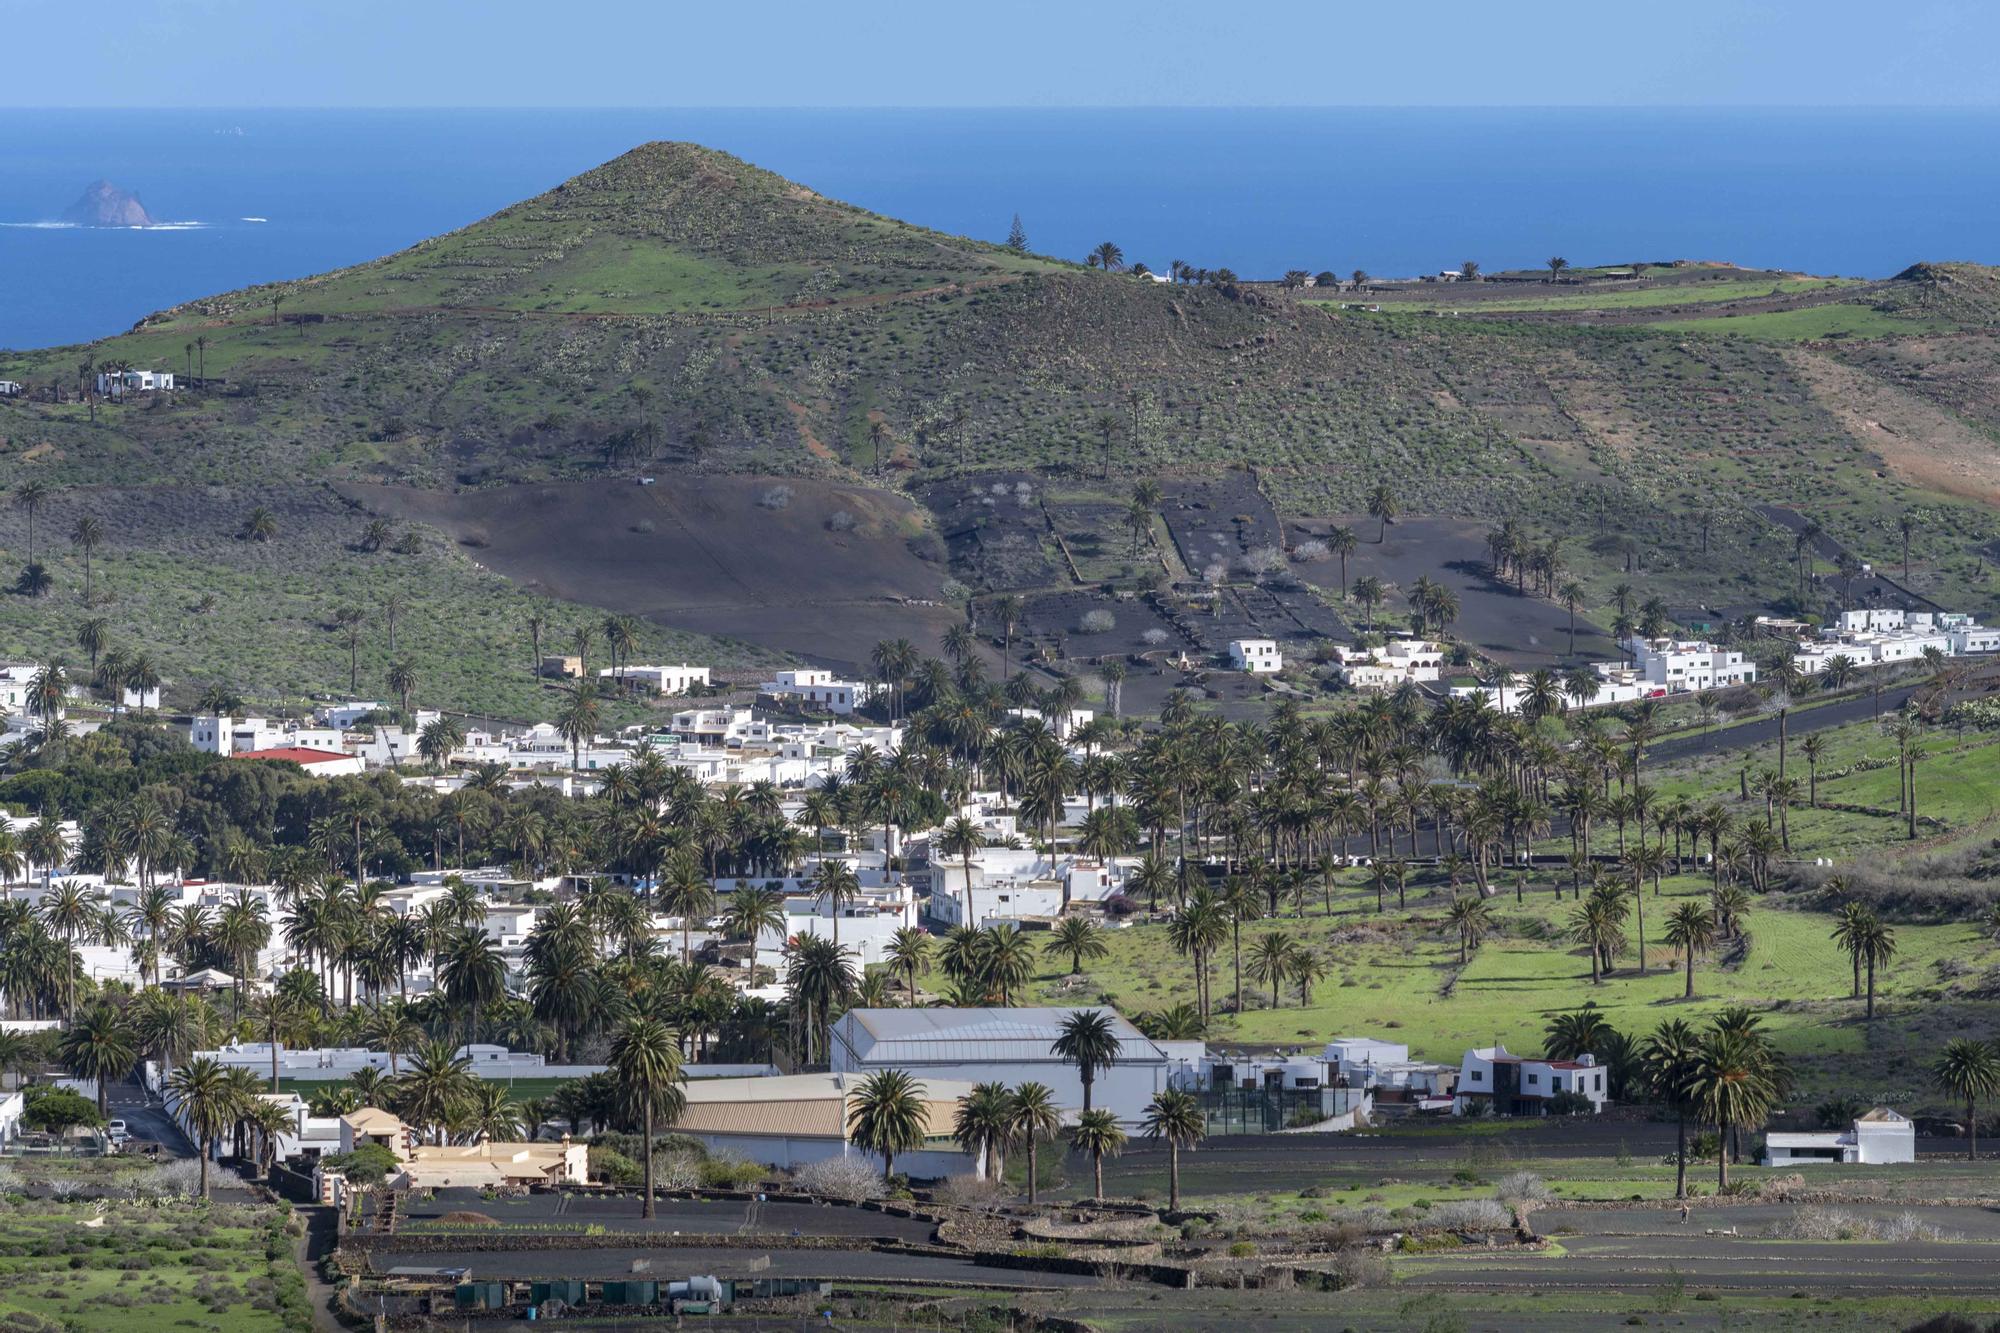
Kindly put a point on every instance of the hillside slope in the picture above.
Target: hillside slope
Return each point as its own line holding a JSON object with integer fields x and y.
{"x": 678, "y": 311}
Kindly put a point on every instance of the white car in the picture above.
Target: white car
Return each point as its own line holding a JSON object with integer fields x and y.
{"x": 117, "y": 1133}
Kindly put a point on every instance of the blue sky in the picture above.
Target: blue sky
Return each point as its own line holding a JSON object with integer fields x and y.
{"x": 400, "y": 53}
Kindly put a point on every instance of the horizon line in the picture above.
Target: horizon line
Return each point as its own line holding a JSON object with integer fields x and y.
{"x": 1029, "y": 107}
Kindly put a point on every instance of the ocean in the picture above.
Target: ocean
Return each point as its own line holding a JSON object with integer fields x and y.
{"x": 250, "y": 196}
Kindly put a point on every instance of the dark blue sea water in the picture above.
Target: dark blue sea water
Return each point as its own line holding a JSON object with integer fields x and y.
{"x": 1391, "y": 191}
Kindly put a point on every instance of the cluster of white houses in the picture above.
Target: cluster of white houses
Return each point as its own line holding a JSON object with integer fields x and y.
{"x": 1886, "y": 637}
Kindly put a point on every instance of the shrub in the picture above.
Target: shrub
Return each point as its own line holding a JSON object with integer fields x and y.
{"x": 1523, "y": 1187}
{"x": 1468, "y": 1215}
{"x": 968, "y": 1192}
{"x": 731, "y": 1173}
{"x": 1307, "y": 551}
{"x": 678, "y": 1172}
{"x": 645, "y": 527}
{"x": 841, "y": 521}
{"x": 1097, "y": 622}
{"x": 614, "y": 1167}
{"x": 1154, "y": 637}
{"x": 847, "y": 1178}
{"x": 777, "y": 497}
{"x": 1359, "y": 1268}
{"x": 1263, "y": 560}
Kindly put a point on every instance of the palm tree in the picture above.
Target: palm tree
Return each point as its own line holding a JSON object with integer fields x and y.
{"x": 1108, "y": 257}
{"x": 836, "y": 882}
{"x": 1690, "y": 929}
{"x": 1032, "y": 1117}
{"x": 30, "y": 495}
{"x": 1878, "y": 948}
{"x": 1968, "y": 1069}
{"x": 436, "y": 1086}
{"x": 1383, "y": 507}
{"x": 1732, "y": 1087}
{"x": 1080, "y": 938}
{"x": 981, "y": 1125}
{"x": 87, "y": 535}
{"x": 1471, "y": 916}
{"x": 1097, "y": 1133}
{"x": 1087, "y": 1040}
{"x": 402, "y": 678}
{"x": 909, "y": 952}
{"x": 685, "y": 892}
{"x": 260, "y": 525}
{"x": 1176, "y": 1117}
{"x": 99, "y": 1044}
{"x": 205, "y": 1101}
{"x": 1668, "y": 1063}
{"x": 888, "y": 1113}
{"x": 646, "y": 1069}
{"x": 1556, "y": 267}
{"x": 472, "y": 973}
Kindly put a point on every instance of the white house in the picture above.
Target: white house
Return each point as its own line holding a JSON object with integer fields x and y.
{"x": 1013, "y": 1046}
{"x": 1260, "y": 657}
{"x": 659, "y": 679}
{"x": 1878, "y": 1138}
{"x": 1394, "y": 664}
{"x": 10, "y": 389}
{"x": 1522, "y": 1085}
{"x": 818, "y": 690}
{"x": 1680, "y": 665}
{"x": 318, "y": 763}
{"x": 133, "y": 381}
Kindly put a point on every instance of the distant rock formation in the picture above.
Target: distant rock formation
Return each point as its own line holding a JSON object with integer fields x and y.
{"x": 105, "y": 205}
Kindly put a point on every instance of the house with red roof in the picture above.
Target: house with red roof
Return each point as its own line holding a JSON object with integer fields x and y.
{"x": 319, "y": 763}
{"x": 1507, "y": 1084}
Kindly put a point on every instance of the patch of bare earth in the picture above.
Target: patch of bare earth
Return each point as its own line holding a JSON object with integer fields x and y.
{"x": 1918, "y": 442}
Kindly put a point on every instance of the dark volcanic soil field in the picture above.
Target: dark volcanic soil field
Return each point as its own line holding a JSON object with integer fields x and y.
{"x": 819, "y": 570}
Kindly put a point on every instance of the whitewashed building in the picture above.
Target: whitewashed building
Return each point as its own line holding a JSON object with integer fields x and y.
{"x": 658, "y": 679}
{"x": 1881, "y": 1137}
{"x": 1522, "y": 1084}
{"x": 819, "y": 691}
{"x": 1681, "y": 665}
{"x": 1260, "y": 657}
{"x": 1394, "y": 664}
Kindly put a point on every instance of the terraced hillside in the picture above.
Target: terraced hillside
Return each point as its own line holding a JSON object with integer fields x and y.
{"x": 677, "y": 311}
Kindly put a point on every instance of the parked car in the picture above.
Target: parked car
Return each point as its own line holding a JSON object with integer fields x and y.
{"x": 117, "y": 1132}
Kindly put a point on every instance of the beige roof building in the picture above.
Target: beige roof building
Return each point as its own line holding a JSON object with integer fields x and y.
{"x": 478, "y": 1165}
{"x": 796, "y": 1108}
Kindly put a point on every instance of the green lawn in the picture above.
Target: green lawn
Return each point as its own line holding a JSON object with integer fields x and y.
{"x": 1838, "y": 320}
{"x": 227, "y": 1269}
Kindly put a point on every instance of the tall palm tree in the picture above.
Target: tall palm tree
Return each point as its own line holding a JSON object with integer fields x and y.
{"x": 87, "y": 535}
{"x": 888, "y": 1113}
{"x": 646, "y": 1068}
{"x": 1087, "y": 1039}
{"x": 981, "y": 1125}
{"x": 99, "y": 1044}
{"x": 434, "y": 1089}
{"x": 205, "y": 1101}
{"x": 1079, "y": 938}
{"x": 1732, "y": 1087}
{"x": 960, "y": 837}
{"x": 685, "y": 892}
{"x": 1690, "y": 929}
{"x": 909, "y": 953}
{"x": 1667, "y": 1065}
{"x": 836, "y": 882}
{"x": 1471, "y": 916}
{"x": 472, "y": 974}
{"x": 31, "y": 495}
{"x": 1097, "y": 1133}
{"x": 1175, "y": 1116}
{"x": 1968, "y": 1069}
{"x": 1032, "y": 1117}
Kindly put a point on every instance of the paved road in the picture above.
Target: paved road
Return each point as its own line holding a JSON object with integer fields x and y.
{"x": 611, "y": 1264}
{"x": 147, "y": 1119}
{"x": 1764, "y": 731}
{"x": 718, "y": 1217}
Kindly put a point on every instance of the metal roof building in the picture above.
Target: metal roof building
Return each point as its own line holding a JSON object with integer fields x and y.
{"x": 1011, "y": 1046}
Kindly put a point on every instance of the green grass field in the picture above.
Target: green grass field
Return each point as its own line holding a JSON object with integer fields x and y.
{"x": 223, "y": 1269}
{"x": 1811, "y": 324}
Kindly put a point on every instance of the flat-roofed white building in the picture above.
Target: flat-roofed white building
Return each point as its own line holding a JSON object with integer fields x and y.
{"x": 1880, "y": 1137}
{"x": 1260, "y": 657}
{"x": 818, "y": 690}
{"x": 1679, "y": 665}
{"x": 659, "y": 679}
{"x": 1394, "y": 664}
